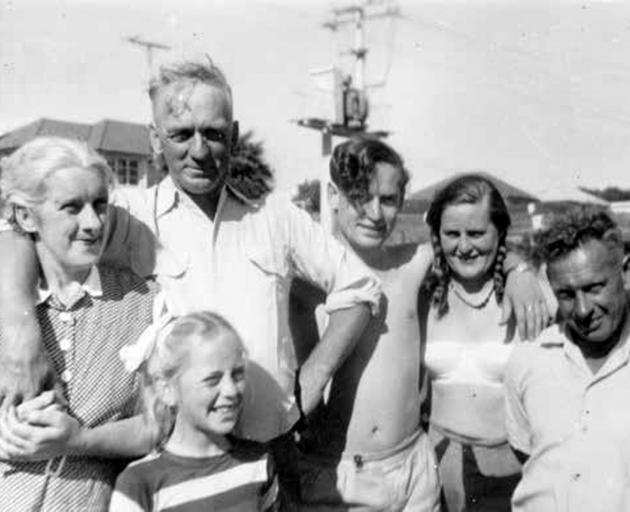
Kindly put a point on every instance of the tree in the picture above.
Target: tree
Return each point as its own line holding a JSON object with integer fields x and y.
{"x": 307, "y": 196}
{"x": 249, "y": 172}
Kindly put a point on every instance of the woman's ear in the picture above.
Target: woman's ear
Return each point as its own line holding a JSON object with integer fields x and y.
{"x": 24, "y": 218}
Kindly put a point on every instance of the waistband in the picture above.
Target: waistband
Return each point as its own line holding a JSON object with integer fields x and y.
{"x": 398, "y": 449}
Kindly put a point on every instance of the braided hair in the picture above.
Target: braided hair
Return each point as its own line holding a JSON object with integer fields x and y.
{"x": 465, "y": 189}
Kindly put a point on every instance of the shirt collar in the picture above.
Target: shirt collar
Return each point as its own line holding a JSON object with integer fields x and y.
{"x": 620, "y": 354}
{"x": 92, "y": 286}
{"x": 168, "y": 196}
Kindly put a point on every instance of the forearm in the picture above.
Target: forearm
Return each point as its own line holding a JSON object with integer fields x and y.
{"x": 127, "y": 438}
{"x": 18, "y": 282}
{"x": 24, "y": 366}
{"x": 345, "y": 326}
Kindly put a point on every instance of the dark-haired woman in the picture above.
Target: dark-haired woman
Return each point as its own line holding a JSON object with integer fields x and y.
{"x": 467, "y": 346}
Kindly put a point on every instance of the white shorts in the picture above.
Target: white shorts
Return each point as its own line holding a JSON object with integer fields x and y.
{"x": 404, "y": 478}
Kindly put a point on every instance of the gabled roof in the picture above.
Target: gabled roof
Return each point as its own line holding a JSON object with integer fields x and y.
{"x": 509, "y": 192}
{"x": 120, "y": 136}
{"x": 106, "y": 135}
{"x": 43, "y": 127}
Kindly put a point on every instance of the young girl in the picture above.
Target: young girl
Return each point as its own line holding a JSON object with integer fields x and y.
{"x": 194, "y": 380}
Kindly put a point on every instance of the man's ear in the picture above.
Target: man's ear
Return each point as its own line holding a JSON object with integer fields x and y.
{"x": 156, "y": 142}
{"x": 24, "y": 218}
{"x": 333, "y": 196}
{"x": 235, "y": 134}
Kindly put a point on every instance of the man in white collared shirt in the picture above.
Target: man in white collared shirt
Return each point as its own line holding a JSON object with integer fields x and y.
{"x": 210, "y": 248}
{"x": 567, "y": 394}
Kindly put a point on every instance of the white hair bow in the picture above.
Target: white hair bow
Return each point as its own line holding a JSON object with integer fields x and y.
{"x": 134, "y": 355}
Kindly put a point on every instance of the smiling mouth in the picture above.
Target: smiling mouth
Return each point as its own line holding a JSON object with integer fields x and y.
{"x": 226, "y": 408}
{"x": 468, "y": 259}
{"x": 89, "y": 241}
{"x": 373, "y": 229}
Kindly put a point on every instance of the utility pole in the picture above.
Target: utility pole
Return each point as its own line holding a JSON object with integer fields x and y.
{"x": 349, "y": 91}
{"x": 149, "y": 46}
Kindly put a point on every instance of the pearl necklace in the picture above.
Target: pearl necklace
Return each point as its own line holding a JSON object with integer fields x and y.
{"x": 460, "y": 296}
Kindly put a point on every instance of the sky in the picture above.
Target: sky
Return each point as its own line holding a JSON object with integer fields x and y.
{"x": 534, "y": 92}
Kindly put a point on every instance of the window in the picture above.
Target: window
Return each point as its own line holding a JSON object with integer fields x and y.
{"x": 126, "y": 170}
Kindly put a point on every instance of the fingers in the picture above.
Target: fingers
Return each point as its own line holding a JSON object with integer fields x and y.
{"x": 16, "y": 436}
{"x": 51, "y": 418}
{"x": 506, "y": 312}
{"x": 9, "y": 398}
{"x": 41, "y": 401}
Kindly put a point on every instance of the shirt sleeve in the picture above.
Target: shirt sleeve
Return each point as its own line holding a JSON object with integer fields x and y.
{"x": 131, "y": 242}
{"x": 130, "y": 494}
{"x": 517, "y": 424}
{"x": 317, "y": 257}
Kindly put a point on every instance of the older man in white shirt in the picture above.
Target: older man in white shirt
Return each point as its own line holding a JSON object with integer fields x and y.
{"x": 567, "y": 394}
{"x": 210, "y": 248}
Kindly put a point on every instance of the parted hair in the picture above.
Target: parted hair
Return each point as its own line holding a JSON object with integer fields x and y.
{"x": 571, "y": 229}
{"x": 24, "y": 172}
{"x": 165, "y": 361}
{"x": 353, "y": 163}
{"x": 469, "y": 188}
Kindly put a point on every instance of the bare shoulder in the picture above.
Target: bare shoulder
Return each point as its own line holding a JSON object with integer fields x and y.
{"x": 412, "y": 259}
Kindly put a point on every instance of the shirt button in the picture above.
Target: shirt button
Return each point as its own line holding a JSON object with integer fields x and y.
{"x": 576, "y": 476}
{"x": 65, "y": 344}
{"x": 66, "y": 316}
{"x": 66, "y": 376}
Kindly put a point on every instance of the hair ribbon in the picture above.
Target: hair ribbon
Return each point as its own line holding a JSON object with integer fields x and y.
{"x": 137, "y": 353}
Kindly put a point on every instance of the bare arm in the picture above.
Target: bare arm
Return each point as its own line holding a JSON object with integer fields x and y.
{"x": 24, "y": 366}
{"x": 344, "y": 329}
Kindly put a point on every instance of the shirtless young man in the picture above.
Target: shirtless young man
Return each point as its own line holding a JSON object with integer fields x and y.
{"x": 364, "y": 446}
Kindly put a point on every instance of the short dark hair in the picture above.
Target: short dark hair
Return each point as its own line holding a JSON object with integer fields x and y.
{"x": 573, "y": 228}
{"x": 353, "y": 162}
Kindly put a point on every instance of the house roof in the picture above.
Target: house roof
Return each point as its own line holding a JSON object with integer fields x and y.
{"x": 120, "y": 136}
{"x": 106, "y": 135}
{"x": 574, "y": 194}
{"x": 509, "y": 192}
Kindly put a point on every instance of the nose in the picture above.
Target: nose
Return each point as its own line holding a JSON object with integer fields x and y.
{"x": 228, "y": 386}
{"x": 464, "y": 244}
{"x": 199, "y": 149}
{"x": 91, "y": 221}
{"x": 373, "y": 210}
{"x": 583, "y": 306}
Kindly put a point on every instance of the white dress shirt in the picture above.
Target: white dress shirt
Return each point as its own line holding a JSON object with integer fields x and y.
{"x": 573, "y": 424}
{"x": 240, "y": 265}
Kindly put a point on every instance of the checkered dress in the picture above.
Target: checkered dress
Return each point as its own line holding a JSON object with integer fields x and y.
{"x": 83, "y": 341}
